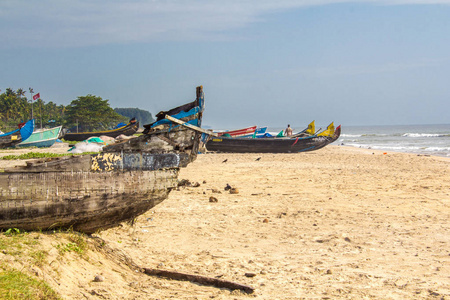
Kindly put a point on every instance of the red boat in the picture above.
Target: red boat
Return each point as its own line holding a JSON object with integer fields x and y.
{"x": 238, "y": 132}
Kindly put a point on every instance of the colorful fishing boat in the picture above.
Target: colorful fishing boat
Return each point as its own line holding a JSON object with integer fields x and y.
{"x": 129, "y": 129}
{"x": 259, "y": 132}
{"x": 93, "y": 192}
{"x": 238, "y": 132}
{"x": 310, "y": 130}
{"x": 332, "y": 135}
{"x": 42, "y": 138}
{"x": 14, "y": 137}
{"x": 306, "y": 140}
{"x": 267, "y": 145}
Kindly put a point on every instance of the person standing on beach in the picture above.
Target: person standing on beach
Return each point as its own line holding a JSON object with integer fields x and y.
{"x": 288, "y": 131}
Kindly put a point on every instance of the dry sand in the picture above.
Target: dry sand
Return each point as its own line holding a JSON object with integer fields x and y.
{"x": 336, "y": 223}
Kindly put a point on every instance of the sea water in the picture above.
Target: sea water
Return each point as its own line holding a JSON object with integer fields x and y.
{"x": 420, "y": 139}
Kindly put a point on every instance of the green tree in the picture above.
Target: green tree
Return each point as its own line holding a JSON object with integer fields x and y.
{"x": 20, "y": 92}
{"x": 91, "y": 113}
{"x": 12, "y": 109}
{"x": 53, "y": 114}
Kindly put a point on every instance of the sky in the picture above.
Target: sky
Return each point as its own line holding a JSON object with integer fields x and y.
{"x": 261, "y": 62}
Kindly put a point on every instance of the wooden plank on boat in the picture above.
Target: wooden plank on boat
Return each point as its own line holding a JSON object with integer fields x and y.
{"x": 61, "y": 164}
{"x": 193, "y": 127}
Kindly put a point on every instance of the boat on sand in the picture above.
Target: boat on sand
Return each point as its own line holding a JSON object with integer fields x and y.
{"x": 238, "y": 132}
{"x": 94, "y": 192}
{"x": 266, "y": 145}
{"x": 42, "y": 138}
{"x": 274, "y": 144}
{"x": 129, "y": 129}
{"x": 18, "y": 135}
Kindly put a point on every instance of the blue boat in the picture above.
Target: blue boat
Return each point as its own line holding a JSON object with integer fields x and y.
{"x": 14, "y": 137}
{"x": 259, "y": 132}
{"x": 42, "y": 138}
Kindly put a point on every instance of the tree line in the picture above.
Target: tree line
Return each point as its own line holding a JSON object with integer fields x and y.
{"x": 88, "y": 113}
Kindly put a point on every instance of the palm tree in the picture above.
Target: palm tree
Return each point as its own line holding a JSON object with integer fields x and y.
{"x": 9, "y": 92}
{"x": 20, "y": 92}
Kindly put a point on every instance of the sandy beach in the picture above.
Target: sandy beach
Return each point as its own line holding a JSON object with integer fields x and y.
{"x": 338, "y": 223}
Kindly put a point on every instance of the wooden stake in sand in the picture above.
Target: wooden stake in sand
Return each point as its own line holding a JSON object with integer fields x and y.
{"x": 200, "y": 279}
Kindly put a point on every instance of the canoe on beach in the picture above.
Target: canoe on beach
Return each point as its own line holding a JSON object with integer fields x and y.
{"x": 129, "y": 129}
{"x": 298, "y": 143}
{"x": 267, "y": 145}
{"x": 42, "y": 138}
{"x": 16, "y": 136}
{"x": 238, "y": 132}
{"x": 259, "y": 132}
{"x": 95, "y": 192}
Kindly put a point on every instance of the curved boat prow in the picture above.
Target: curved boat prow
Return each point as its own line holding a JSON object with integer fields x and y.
{"x": 27, "y": 130}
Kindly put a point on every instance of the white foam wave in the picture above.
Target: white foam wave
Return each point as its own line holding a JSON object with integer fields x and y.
{"x": 438, "y": 149}
{"x": 350, "y": 135}
{"x": 409, "y": 149}
{"x": 415, "y": 135}
{"x": 374, "y": 134}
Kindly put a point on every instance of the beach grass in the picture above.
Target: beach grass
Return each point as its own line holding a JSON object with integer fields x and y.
{"x": 17, "y": 285}
{"x": 33, "y": 155}
{"x": 26, "y": 254}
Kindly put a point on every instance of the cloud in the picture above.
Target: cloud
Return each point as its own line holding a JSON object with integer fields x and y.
{"x": 75, "y": 23}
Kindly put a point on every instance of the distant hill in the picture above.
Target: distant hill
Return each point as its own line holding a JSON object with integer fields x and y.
{"x": 143, "y": 116}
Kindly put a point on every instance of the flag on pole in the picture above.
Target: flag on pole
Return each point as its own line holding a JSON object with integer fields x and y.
{"x": 37, "y": 96}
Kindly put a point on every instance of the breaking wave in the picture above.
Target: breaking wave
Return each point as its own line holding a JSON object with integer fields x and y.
{"x": 416, "y": 135}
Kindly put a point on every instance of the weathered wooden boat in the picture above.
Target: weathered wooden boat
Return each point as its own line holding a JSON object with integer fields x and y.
{"x": 94, "y": 192}
{"x": 238, "y": 132}
{"x": 129, "y": 129}
{"x": 42, "y": 138}
{"x": 267, "y": 145}
{"x": 14, "y": 137}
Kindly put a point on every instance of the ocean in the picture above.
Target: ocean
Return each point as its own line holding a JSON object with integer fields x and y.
{"x": 420, "y": 139}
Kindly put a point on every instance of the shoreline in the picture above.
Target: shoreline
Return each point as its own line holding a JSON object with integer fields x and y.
{"x": 389, "y": 150}
{"x": 380, "y": 151}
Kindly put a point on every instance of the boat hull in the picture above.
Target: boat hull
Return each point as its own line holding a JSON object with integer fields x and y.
{"x": 75, "y": 200}
{"x": 129, "y": 129}
{"x": 333, "y": 138}
{"x": 42, "y": 138}
{"x": 266, "y": 145}
{"x": 238, "y": 132}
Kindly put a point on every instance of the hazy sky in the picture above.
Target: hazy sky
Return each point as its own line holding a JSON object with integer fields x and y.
{"x": 260, "y": 62}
